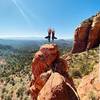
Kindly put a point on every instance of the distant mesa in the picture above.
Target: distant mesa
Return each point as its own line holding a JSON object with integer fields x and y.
{"x": 87, "y": 35}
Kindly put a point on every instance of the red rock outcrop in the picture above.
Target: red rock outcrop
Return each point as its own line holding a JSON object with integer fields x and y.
{"x": 41, "y": 63}
{"x": 57, "y": 89}
{"x": 45, "y": 64}
{"x": 44, "y": 58}
{"x": 87, "y": 35}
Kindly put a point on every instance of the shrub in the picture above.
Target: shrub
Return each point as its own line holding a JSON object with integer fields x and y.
{"x": 20, "y": 92}
{"x": 92, "y": 96}
{"x": 76, "y": 74}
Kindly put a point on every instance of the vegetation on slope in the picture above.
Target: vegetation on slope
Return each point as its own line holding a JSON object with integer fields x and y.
{"x": 82, "y": 64}
{"x": 15, "y": 74}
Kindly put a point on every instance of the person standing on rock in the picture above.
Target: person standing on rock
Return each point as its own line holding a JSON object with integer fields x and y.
{"x": 51, "y": 32}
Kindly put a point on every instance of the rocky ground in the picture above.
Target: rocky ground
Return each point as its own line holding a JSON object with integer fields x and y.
{"x": 89, "y": 87}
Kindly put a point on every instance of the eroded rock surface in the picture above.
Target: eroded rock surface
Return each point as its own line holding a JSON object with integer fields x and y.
{"x": 87, "y": 35}
{"x": 56, "y": 89}
{"x": 48, "y": 68}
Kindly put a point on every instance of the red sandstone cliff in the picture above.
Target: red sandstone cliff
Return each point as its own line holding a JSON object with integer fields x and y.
{"x": 87, "y": 35}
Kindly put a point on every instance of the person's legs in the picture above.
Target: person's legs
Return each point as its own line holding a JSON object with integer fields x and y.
{"x": 52, "y": 39}
{"x": 53, "y": 36}
{"x": 49, "y": 39}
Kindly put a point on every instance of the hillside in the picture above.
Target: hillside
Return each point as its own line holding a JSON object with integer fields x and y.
{"x": 15, "y": 72}
{"x": 89, "y": 88}
{"x": 84, "y": 70}
{"x": 82, "y": 63}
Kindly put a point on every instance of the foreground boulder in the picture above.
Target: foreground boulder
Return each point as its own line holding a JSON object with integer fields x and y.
{"x": 46, "y": 65}
{"x": 87, "y": 35}
{"x": 57, "y": 89}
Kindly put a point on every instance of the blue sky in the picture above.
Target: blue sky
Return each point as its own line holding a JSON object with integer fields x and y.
{"x": 32, "y": 18}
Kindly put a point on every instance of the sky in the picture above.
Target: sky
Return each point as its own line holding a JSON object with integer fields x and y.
{"x": 32, "y": 18}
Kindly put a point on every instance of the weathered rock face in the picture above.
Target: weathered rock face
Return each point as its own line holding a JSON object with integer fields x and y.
{"x": 46, "y": 65}
{"x": 43, "y": 58}
{"x": 56, "y": 89}
{"x": 41, "y": 63}
{"x": 87, "y": 35}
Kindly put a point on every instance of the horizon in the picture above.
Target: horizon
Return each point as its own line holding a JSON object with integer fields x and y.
{"x": 31, "y": 38}
{"x": 27, "y": 37}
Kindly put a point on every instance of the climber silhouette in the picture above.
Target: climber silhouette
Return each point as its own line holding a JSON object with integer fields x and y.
{"x": 51, "y": 32}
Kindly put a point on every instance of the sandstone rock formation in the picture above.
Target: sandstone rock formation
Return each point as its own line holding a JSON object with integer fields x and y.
{"x": 44, "y": 58}
{"x": 46, "y": 65}
{"x": 87, "y": 35}
{"x": 56, "y": 89}
{"x": 41, "y": 63}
